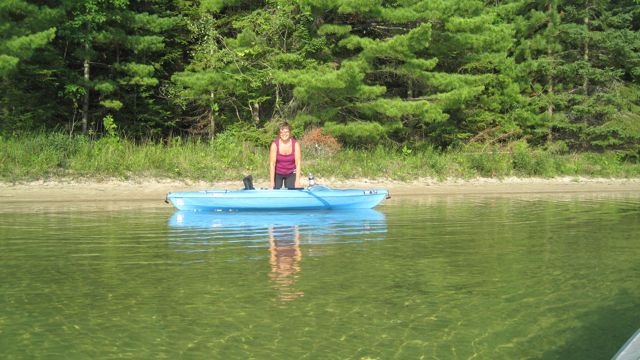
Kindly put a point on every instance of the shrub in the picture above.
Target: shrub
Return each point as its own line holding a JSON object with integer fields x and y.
{"x": 521, "y": 157}
{"x": 317, "y": 144}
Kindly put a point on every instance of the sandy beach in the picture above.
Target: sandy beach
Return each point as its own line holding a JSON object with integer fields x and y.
{"x": 156, "y": 189}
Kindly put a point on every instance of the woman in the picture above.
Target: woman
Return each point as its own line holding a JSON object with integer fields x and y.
{"x": 285, "y": 160}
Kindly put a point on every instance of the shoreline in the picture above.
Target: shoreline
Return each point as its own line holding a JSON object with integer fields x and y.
{"x": 74, "y": 190}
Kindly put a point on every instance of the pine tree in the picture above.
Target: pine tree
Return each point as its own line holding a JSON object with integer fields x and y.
{"x": 567, "y": 54}
{"x": 237, "y": 53}
{"x": 415, "y": 68}
{"x": 115, "y": 48}
{"x": 605, "y": 50}
{"x": 26, "y": 33}
{"x": 472, "y": 41}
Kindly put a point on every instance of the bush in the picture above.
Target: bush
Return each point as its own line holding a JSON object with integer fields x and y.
{"x": 521, "y": 157}
{"x": 489, "y": 164}
{"x": 319, "y": 145}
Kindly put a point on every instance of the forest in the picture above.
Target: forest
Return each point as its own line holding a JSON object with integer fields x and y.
{"x": 438, "y": 74}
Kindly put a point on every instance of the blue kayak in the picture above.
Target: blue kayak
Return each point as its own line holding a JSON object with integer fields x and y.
{"x": 315, "y": 197}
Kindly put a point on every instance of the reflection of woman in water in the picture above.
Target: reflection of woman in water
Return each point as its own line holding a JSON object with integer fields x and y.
{"x": 284, "y": 246}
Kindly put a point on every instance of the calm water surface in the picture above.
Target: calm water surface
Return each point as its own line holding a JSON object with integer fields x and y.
{"x": 526, "y": 277}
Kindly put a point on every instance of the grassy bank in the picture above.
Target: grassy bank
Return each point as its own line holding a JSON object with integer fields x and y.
{"x": 47, "y": 156}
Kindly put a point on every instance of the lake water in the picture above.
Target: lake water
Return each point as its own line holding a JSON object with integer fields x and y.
{"x": 505, "y": 277}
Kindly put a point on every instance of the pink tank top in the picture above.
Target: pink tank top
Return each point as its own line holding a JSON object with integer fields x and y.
{"x": 285, "y": 164}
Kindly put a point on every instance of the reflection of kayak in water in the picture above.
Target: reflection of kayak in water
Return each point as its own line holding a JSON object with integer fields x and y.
{"x": 282, "y": 236}
{"x": 315, "y": 197}
{"x": 313, "y": 226}
{"x": 265, "y": 219}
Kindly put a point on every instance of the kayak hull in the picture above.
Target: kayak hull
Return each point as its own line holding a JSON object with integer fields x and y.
{"x": 317, "y": 197}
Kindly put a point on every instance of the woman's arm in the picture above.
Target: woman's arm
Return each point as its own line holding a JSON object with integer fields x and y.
{"x": 273, "y": 152}
{"x": 298, "y": 158}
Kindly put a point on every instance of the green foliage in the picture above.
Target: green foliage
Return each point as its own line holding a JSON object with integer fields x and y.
{"x": 217, "y": 5}
{"x": 331, "y": 29}
{"x": 356, "y": 134}
{"x": 110, "y": 126}
{"x": 242, "y": 133}
{"x": 27, "y": 31}
{"x": 137, "y": 74}
{"x": 529, "y": 162}
{"x": 111, "y": 104}
{"x": 447, "y": 73}
{"x": 235, "y": 61}
{"x": 112, "y": 50}
{"x": 44, "y": 155}
{"x": 567, "y": 55}
{"x": 24, "y": 46}
{"x": 7, "y": 63}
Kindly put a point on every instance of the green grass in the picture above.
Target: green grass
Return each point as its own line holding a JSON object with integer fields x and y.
{"x": 47, "y": 156}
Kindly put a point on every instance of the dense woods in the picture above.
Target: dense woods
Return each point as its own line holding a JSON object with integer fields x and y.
{"x": 560, "y": 74}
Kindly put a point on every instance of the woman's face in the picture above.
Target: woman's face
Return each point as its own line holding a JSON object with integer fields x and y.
{"x": 285, "y": 134}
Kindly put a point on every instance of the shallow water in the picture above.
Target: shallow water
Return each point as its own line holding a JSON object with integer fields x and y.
{"x": 509, "y": 277}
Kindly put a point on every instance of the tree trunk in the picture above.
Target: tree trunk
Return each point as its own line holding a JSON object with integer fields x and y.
{"x": 585, "y": 82}
{"x": 212, "y": 119}
{"x": 85, "y": 101}
{"x": 255, "y": 112}
{"x": 551, "y": 10}
{"x": 87, "y": 78}
{"x": 276, "y": 107}
{"x": 212, "y": 125}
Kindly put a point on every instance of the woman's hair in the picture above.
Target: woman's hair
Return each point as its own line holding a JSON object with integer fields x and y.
{"x": 284, "y": 125}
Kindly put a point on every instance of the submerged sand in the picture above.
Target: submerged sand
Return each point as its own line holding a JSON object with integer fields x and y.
{"x": 64, "y": 190}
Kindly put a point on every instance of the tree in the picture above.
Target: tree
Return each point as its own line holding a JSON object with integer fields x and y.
{"x": 472, "y": 41}
{"x": 414, "y": 67}
{"x": 26, "y": 33}
{"x": 238, "y": 50}
{"x": 574, "y": 57}
{"x": 115, "y": 50}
